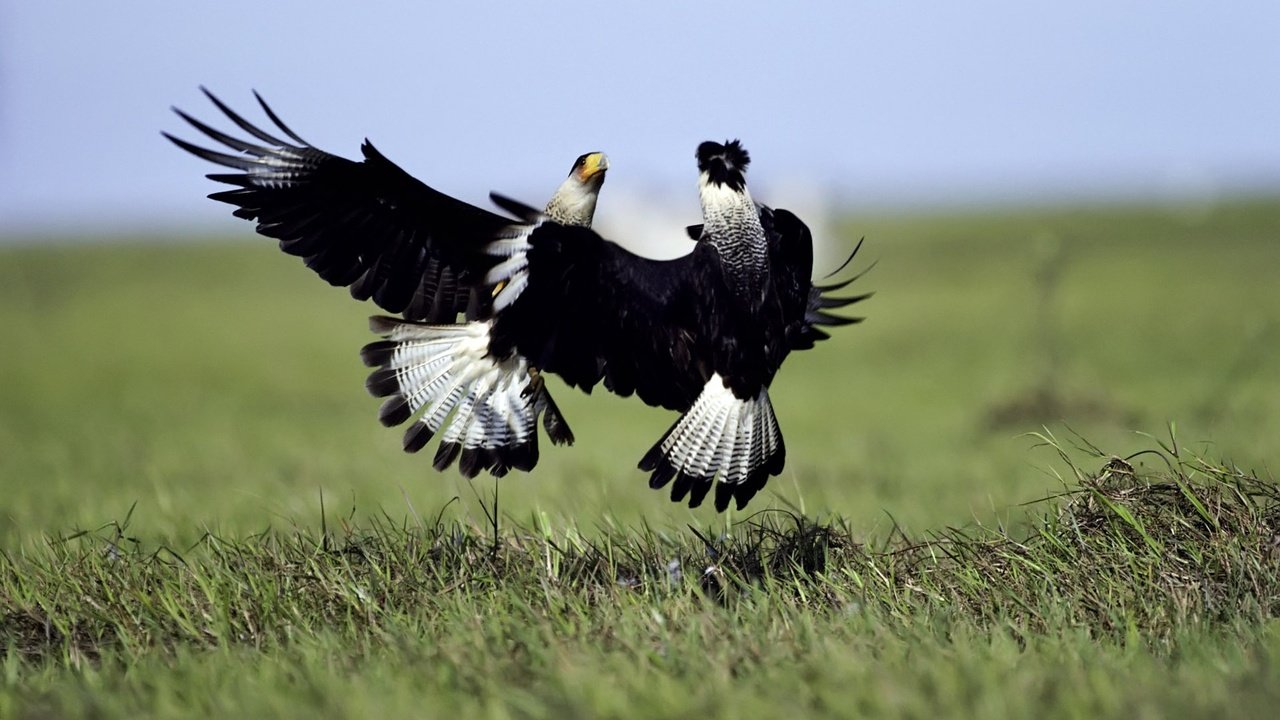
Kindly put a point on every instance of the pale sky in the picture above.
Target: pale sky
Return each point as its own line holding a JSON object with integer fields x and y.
{"x": 866, "y": 103}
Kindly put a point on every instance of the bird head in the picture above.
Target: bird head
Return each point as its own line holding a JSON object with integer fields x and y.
{"x": 575, "y": 202}
{"x": 590, "y": 168}
{"x": 723, "y": 164}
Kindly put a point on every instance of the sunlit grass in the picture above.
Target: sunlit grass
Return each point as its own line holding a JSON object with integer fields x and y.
{"x": 1155, "y": 570}
{"x": 258, "y": 545}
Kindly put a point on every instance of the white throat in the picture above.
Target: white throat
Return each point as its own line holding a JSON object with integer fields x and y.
{"x": 574, "y": 203}
{"x": 724, "y": 207}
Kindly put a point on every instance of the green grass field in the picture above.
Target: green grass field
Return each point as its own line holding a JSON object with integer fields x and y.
{"x": 201, "y": 516}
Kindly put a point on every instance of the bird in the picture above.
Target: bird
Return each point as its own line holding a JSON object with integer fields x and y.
{"x": 491, "y": 304}
{"x": 371, "y": 226}
{"x": 703, "y": 334}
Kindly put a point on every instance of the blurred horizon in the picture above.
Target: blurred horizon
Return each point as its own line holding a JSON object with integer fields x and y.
{"x": 846, "y": 108}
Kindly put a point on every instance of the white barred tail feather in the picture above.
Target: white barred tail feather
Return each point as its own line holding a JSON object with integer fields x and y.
{"x": 721, "y": 438}
{"x": 442, "y": 377}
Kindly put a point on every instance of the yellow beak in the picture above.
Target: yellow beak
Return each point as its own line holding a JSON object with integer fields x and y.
{"x": 595, "y": 163}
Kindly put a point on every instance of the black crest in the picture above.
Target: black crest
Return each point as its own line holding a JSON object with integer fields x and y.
{"x": 724, "y": 164}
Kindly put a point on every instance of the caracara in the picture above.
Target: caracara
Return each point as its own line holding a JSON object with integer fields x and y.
{"x": 371, "y": 226}
{"x": 703, "y": 334}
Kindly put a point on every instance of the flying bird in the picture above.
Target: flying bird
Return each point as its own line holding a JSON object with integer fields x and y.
{"x": 413, "y": 250}
{"x": 540, "y": 292}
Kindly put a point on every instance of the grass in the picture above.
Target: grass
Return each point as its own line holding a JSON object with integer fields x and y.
{"x": 201, "y": 516}
{"x": 1131, "y": 572}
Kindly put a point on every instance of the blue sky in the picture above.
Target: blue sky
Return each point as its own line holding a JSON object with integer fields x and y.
{"x": 867, "y": 103}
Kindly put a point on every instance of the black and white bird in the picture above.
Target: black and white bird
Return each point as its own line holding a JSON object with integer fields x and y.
{"x": 703, "y": 334}
{"x": 411, "y": 249}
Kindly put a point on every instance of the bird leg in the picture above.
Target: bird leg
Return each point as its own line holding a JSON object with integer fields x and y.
{"x": 536, "y": 384}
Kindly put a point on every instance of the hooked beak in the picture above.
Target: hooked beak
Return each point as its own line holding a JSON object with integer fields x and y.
{"x": 593, "y": 164}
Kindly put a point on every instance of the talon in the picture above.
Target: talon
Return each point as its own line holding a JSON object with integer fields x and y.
{"x": 536, "y": 383}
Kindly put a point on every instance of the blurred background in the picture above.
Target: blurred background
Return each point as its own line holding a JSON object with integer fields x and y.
{"x": 1075, "y": 210}
{"x": 853, "y": 104}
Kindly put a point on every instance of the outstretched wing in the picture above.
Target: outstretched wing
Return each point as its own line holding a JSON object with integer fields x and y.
{"x": 586, "y": 309}
{"x": 368, "y": 225}
{"x": 804, "y": 305}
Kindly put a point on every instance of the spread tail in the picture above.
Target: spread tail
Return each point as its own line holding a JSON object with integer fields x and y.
{"x": 442, "y": 376}
{"x": 721, "y": 437}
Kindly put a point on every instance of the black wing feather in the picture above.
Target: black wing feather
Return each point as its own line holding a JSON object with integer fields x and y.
{"x": 791, "y": 261}
{"x": 368, "y": 225}
{"x": 804, "y": 303}
{"x": 593, "y": 311}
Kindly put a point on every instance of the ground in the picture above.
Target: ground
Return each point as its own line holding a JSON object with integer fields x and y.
{"x": 201, "y": 515}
